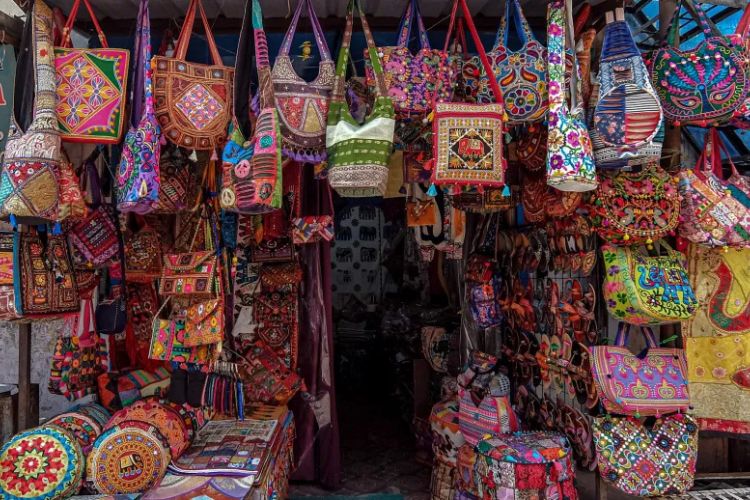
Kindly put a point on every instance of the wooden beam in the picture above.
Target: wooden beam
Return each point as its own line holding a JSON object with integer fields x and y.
{"x": 24, "y": 376}
{"x": 10, "y": 29}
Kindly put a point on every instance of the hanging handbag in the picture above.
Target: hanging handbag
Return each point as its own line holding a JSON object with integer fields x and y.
{"x": 647, "y": 461}
{"x": 143, "y": 256}
{"x": 28, "y": 182}
{"x": 303, "y": 107}
{"x": 91, "y": 86}
{"x": 570, "y": 160}
{"x": 358, "y": 154}
{"x": 703, "y": 86}
{"x": 71, "y": 204}
{"x": 414, "y": 81}
{"x": 251, "y": 169}
{"x": 8, "y": 310}
{"x": 532, "y": 148}
{"x": 633, "y": 208}
{"x": 192, "y": 274}
{"x": 43, "y": 279}
{"x": 204, "y": 323}
{"x": 421, "y": 212}
{"x": 138, "y": 181}
{"x": 468, "y": 138}
{"x": 651, "y": 383}
{"x": 645, "y": 290}
{"x": 715, "y": 211}
{"x": 267, "y": 379}
{"x": 181, "y": 181}
{"x": 193, "y": 101}
{"x": 312, "y": 228}
{"x": 628, "y": 115}
{"x": 521, "y": 74}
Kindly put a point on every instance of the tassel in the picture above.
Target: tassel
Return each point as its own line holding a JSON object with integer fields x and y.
{"x": 162, "y": 140}
{"x": 193, "y": 156}
{"x": 432, "y": 191}
{"x": 214, "y": 156}
{"x": 57, "y": 229}
{"x": 13, "y": 221}
{"x": 506, "y": 191}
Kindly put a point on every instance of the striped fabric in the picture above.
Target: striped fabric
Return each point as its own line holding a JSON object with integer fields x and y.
{"x": 494, "y": 415}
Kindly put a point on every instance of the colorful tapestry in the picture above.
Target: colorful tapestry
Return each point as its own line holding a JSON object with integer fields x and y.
{"x": 717, "y": 339}
{"x": 128, "y": 458}
{"x": 45, "y": 463}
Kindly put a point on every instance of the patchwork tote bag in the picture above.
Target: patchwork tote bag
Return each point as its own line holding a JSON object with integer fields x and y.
{"x": 642, "y": 289}
{"x": 628, "y": 116}
{"x": 358, "y": 153}
{"x": 303, "y": 106}
{"x": 414, "y": 81}
{"x": 138, "y": 180}
{"x": 251, "y": 168}
{"x": 651, "y": 383}
{"x": 521, "y": 74}
{"x": 193, "y": 101}
{"x": 28, "y": 182}
{"x": 664, "y": 463}
{"x": 570, "y": 159}
{"x": 715, "y": 211}
{"x": 703, "y": 86}
{"x": 468, "y": 137}
{"x": 91, "y": 86}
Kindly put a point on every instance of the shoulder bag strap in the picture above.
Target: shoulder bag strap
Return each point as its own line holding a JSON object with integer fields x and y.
{"x": 320, "y": 40}
{"x": 66, "y": 42}
{"x": 514, "y": 12}
{"x": 262, "y": 61}
{"x": 142, "y": 85}
{"x": 459, "y": 36}
{"x": 23, "y": 89}
{"x": 480, "y": 50}
{"x": 412, "y": 14}
{"x": 559, "y": 32}
{"x": 243, "y": 73}
{"x": 196, "y": 6}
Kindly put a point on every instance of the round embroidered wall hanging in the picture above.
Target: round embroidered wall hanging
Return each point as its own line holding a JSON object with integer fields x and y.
{"x": 85, "y": 429}
{"x": 45, "y": 463}
{"x": 166, "y": 420}
{"x": 128, "y": 458}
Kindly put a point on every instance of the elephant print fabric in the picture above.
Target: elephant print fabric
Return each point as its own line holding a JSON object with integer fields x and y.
{"x": 647, "y": 290}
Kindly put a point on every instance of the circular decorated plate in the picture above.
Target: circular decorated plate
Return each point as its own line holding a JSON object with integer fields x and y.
{"x": 85, "y": 429}
{"x": 130, "y": 457}
{"x": 169, "y": 422}
{"x": 45, "y": 463}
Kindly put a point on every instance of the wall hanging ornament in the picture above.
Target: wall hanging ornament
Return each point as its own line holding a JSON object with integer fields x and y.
{"x": 664, "y": 460}
{"x": 29, "y": 191}
{"x": 468, "y": 138}
{"x": 138, "y": 179}
{"x": 570, "y": 160}
{"x": 627, "y": 120}
{"x": 641, "y": 289}
{"x": 252, "y": 169}
{"x": 303, "y": 107}
{"x": 633, "y": 208}
{"x": 91, "y": 86}
{"x": 193, "y": 101}
{"x": 414, "y": 81}
{"x": 651, "y": 383}
{"x": 358, "y": 154}
{"x": 703, "y": 86}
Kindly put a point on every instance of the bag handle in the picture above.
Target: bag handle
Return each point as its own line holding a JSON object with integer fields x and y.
{"x": 623, "y": 332}
{"x": 523, "y": 30}
{"x": 718, "y": 147}
{"x": 459, "y": 35}
{"x": 674, "y": 26}
{"x": 66, "y": 42}
{"x": 187, "y": 30}
{"x": 412, "y": 14}
{"x": 320, "y": 39}
{"x": 339, "y": 84}
{"x": 560, "y": 32}
{"x": 142, "y": 91}
{"x": 243, "y": 73}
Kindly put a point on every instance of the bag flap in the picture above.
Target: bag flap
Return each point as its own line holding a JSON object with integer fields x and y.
{"x": 201, "y": 311}
{"x": 198, "y": 262}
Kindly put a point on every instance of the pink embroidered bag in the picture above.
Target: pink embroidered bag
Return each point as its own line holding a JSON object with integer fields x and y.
{"x": 651, "y": 383}
{"x": 90, "y": 87}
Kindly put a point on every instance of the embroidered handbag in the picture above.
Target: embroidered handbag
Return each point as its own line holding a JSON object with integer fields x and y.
{"x": 421, "y": 212}
{"x": 8, "y": 310}
{"x": 414, "y": 81}
{"x": 180, "y": 181}
{"x": 628, "y": 116}
{"x": 645, "y": 290}
{"x": 28, "y": 182}
{"x": 71, "y": 204}
{"x": 532, "y": 148}
{"x": 190, "y": 274}
{"x": 251, "y": 169}
{"x": 651, "y": 383}
{"x": 143, "y": 256}
{"x": 715, "y": 212}
{"x": 484, "y": 304}
{"x": 204, "y": 323}
{"x": 632, "y": 208}
{"x": 446, "y": 435}
{"x": 570, "y": 160}
{"x": 703, "y": 86}
{"x": 468, "y": 138}
{"x": 663, "y": 462}
{"x": 268, "y": 379}
{"x": 303, "y": 107}
{"x": 43, "y": 278}
{"x": 276, "y": 314}
{"x": 168, "y": 343}
{"x": 193, "y": 101}
{"x": 358, "y": 154}
{"x": 521, "y": 74}
{"x": 91, "y": 86}
{"x": 138, "y": 179}
{"x": 484, "y": 401}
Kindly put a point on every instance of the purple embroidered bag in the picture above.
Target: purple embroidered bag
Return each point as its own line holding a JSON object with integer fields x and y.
{"x": 138, "y": 176}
